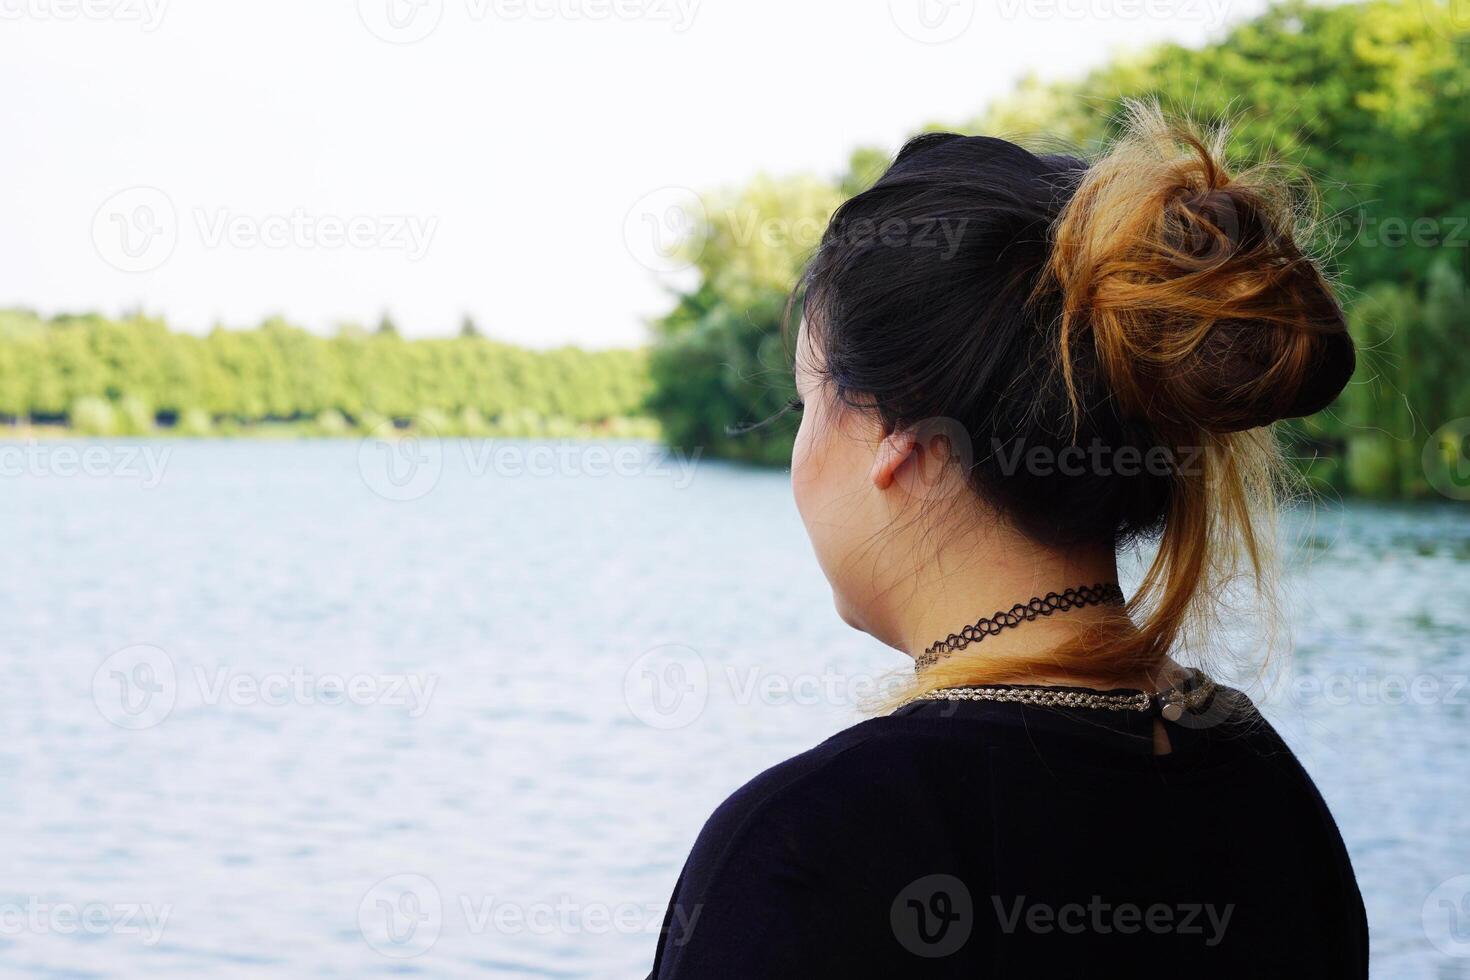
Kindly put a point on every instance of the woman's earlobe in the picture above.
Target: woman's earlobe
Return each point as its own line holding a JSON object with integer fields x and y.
{"x": 893, "y": 452}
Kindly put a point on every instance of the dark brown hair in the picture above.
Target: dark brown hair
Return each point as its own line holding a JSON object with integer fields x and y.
{"x": 1147, "y": 301}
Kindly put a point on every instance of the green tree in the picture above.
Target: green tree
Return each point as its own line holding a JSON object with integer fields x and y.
{"x": 720, "y": 359}
{"x": 1367, "y": 102}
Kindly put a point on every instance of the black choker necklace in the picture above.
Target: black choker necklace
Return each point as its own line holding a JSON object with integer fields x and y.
{"x": 1103, "y": 593}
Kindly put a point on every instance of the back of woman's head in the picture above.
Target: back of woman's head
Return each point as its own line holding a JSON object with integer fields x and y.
{"x": 1111, "y": 338}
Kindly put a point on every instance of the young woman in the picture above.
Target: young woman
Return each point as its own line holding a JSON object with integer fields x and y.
{"x": 1098, "y": 351}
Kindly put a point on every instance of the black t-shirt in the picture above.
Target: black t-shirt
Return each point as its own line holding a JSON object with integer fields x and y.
{"x": 985, "y": 839}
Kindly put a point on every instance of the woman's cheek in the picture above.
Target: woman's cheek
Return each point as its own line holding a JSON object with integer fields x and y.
{"x": 804, "y": 468}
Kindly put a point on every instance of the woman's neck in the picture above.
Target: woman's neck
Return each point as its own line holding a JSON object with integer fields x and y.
{"x": 991, "y": 571}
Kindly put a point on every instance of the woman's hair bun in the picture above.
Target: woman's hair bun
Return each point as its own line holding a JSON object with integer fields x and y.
{"x": 1202, "y": 309}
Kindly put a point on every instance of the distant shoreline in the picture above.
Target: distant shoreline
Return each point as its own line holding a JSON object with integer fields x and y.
{"x": 631, "y": 429}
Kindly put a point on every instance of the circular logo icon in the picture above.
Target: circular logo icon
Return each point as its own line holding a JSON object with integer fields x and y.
{"x": 1446, "y": 916}
{"x": 1447, "y": 459}
{"x": 933, "y": 916}
{"x": 941, "y": 463}
{"x": 136, "y": 687}
{"x": 400, "y": 21}
{"x": 401, "y": 463}
{"x": 932, "y": 21}
{"x": 136, "y": 230}
{"x": 1451, "y": 19}
{"x": 401, "y": 916}
{"x": 667, "y": 687}
{"x": 666, "y": 230}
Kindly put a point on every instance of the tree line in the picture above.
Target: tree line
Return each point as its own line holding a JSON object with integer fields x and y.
{"x": 134, "y": 375}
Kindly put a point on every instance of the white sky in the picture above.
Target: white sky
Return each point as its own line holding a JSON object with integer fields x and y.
{"x": 493, "y": 163}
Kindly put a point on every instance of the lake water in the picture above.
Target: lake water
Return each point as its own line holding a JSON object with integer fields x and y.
{"x": 459, "y": 709}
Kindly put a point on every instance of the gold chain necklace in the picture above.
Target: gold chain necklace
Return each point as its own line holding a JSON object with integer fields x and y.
{"x": 1189, "y": 695}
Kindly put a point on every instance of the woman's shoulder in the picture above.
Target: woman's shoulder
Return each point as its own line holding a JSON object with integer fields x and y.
{"x": 809, "y": 841}
{"x": 888, "y": 771}
{"x": 871, "y": 750}
{"x": 847, "y": 780}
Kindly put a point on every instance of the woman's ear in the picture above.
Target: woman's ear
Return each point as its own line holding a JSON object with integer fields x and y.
{"x": 929, "y": 461}
{"x": 893, "y": 452}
